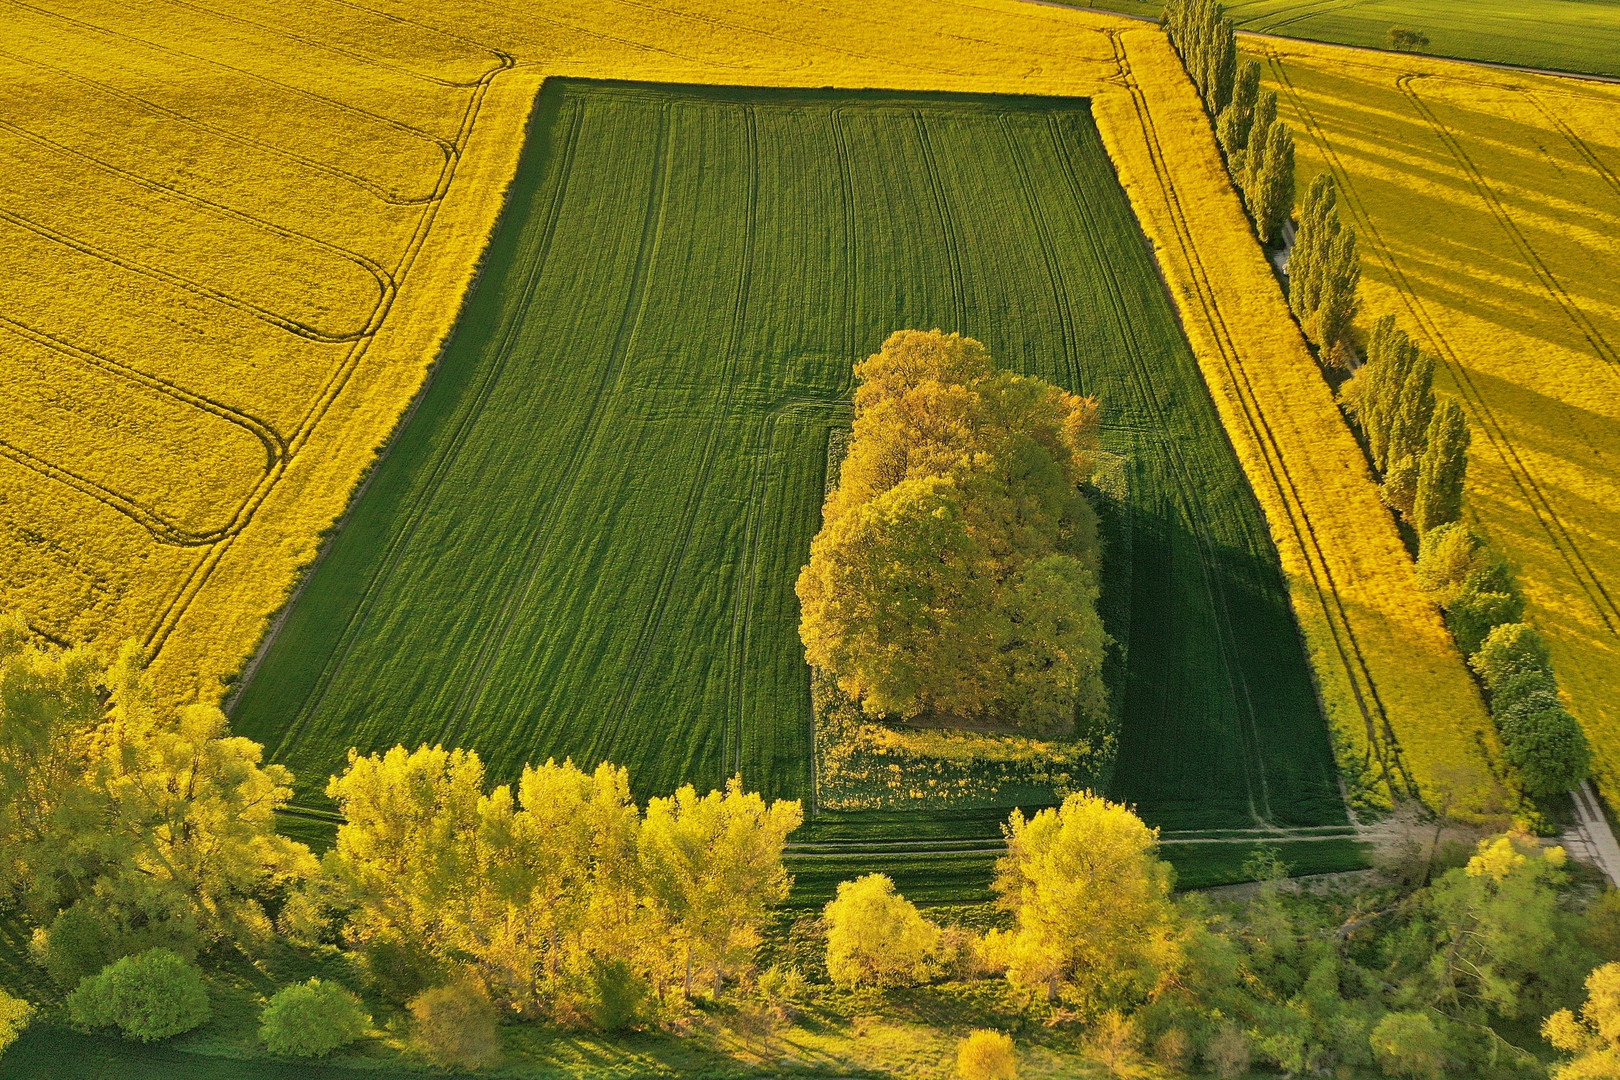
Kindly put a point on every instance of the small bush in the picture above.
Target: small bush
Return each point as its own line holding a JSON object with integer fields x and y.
{"x": 454, "y": 1026}
{"x": 71, "y": 948}
{"x": 1227, "y": 1053}
{"x": 986, "y": 1055}
{"x": 311, "y": 1019}
{"x": 616, "y": 994}
{"x": 876, "y": 937}
{"x": 15, "y": 1013}
{"x": 1173, "y": 1049}
{"x": 1408, "y": 1044}
{"x": 148, "y": 997}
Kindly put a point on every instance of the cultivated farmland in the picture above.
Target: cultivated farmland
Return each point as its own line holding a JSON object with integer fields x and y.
{"x": 202, "y": 314}
{"x": 584, "y": 543}
{"x": 1487, "y": 204}
{"x": 1564, "y": 35}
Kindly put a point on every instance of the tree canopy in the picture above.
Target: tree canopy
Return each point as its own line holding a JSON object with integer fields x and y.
{"x": 956, "y": 572}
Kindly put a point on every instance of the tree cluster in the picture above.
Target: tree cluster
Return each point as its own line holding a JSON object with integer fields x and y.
{"x": 1418, "y": 443}
{"x": 955, "y": 576}
{"x": 556, "y": 893}
{"x": 1413, "y": 978}
{"x": 1259, "y": 148}
{"x": 1324, "y": 272}
{"x": 127, "y": 826}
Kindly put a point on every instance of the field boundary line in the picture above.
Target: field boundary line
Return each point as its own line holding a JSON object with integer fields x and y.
{"x": 423, "y": 495}
{"x": 1535, "y": 498}
{"x": 1236, "y": 679}
{"x": 1381, "y": 745}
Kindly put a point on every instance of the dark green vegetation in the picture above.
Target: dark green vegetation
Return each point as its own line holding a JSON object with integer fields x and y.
{"x": 1564, "y": 35}
{"x": 584, "y": 543}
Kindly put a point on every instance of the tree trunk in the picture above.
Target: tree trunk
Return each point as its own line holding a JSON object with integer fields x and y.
{"x": 719, "y": 980}
{"x": 1051, "y": 989}
{"x": 687, "y": 987}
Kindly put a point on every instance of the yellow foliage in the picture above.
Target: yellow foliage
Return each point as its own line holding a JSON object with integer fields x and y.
{"x": 1487, "y": 203}
{"x": 986, "y": 1055}
{"x": 236, "y": 240}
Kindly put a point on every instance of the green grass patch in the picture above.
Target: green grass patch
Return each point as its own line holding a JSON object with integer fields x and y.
{"x": 1563, "y": 35}
{"x": 585, "y": 541}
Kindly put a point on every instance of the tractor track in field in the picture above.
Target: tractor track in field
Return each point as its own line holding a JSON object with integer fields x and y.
{"x": 214, "y": 545}
{"x": 325, "y": 46}
{"x": 629, "y": 687}
{"x": 180, "y": 281}
{"x": 441, "y": 467}
{"x": 1237, "y": 681}
{"x": 375, "y": 188}
{"x": 1054, "y": 275}
{"x": 1532, "y": 258}
{"x": 652, "y": 233}
{"x": 447, "y": 147}
{"x": 159, "y": 630}
{"x": 1530, "y": 487}
{"x": 1381, "y": 736}
{"x": 947, "y": 223}
{"x": 384, "y": 280}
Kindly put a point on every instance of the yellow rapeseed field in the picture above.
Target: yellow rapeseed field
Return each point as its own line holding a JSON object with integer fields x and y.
{"x": 1488, "y": 205}
{"x": 237, "y": 235}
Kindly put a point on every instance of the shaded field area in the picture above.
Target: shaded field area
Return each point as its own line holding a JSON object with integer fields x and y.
{"x": 1487, "y": 203}
{"x": 584, "y": 543}
{"x": 1563, "y": 35}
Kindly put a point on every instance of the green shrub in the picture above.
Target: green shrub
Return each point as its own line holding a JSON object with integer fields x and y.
{"x": 311, "y": 1019}
{"x": 72, "y": 947}
{"x": 454, "y": 1025}
{"x": 400, "y": 969}
{"x": 15, "y": 1013}
{"x": 616, "y": 994}
{"x": 1474, "y": 614}
{"x": 1549, "y": 750}
{"x": 148, "y": 997}
{"x": 1509, "y": 650}
{"x": 1408, "y": 1044}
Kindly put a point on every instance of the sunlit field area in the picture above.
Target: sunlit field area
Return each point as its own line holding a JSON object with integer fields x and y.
{"x": 584, "y": 543}
{"x": 1488, "y": 202}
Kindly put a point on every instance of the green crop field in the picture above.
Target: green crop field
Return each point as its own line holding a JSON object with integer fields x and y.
{"x": 1563, "y": 35}
{"x": 584, "y": 541}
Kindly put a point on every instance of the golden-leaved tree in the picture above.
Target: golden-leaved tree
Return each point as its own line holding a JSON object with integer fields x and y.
{"x": 126, "y": 825}
{"x": 956, "y": 573}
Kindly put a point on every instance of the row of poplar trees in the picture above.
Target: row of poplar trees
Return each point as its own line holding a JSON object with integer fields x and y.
{"x": 1259, "y": 148}
{"x": 1418, "y": 442}
{"x": 1323, "y": 269}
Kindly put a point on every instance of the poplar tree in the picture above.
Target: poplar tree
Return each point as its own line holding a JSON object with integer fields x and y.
{"x": 1410, "y": 414}
{"x": 1340, "y": 276}
{"x": 1265, "y": 116}
{"x": 1237, "y": 118}
{"x": 1274, "y": 197}
{"x": 1318, "y": 225}
{"x": 1442, "y": 468}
